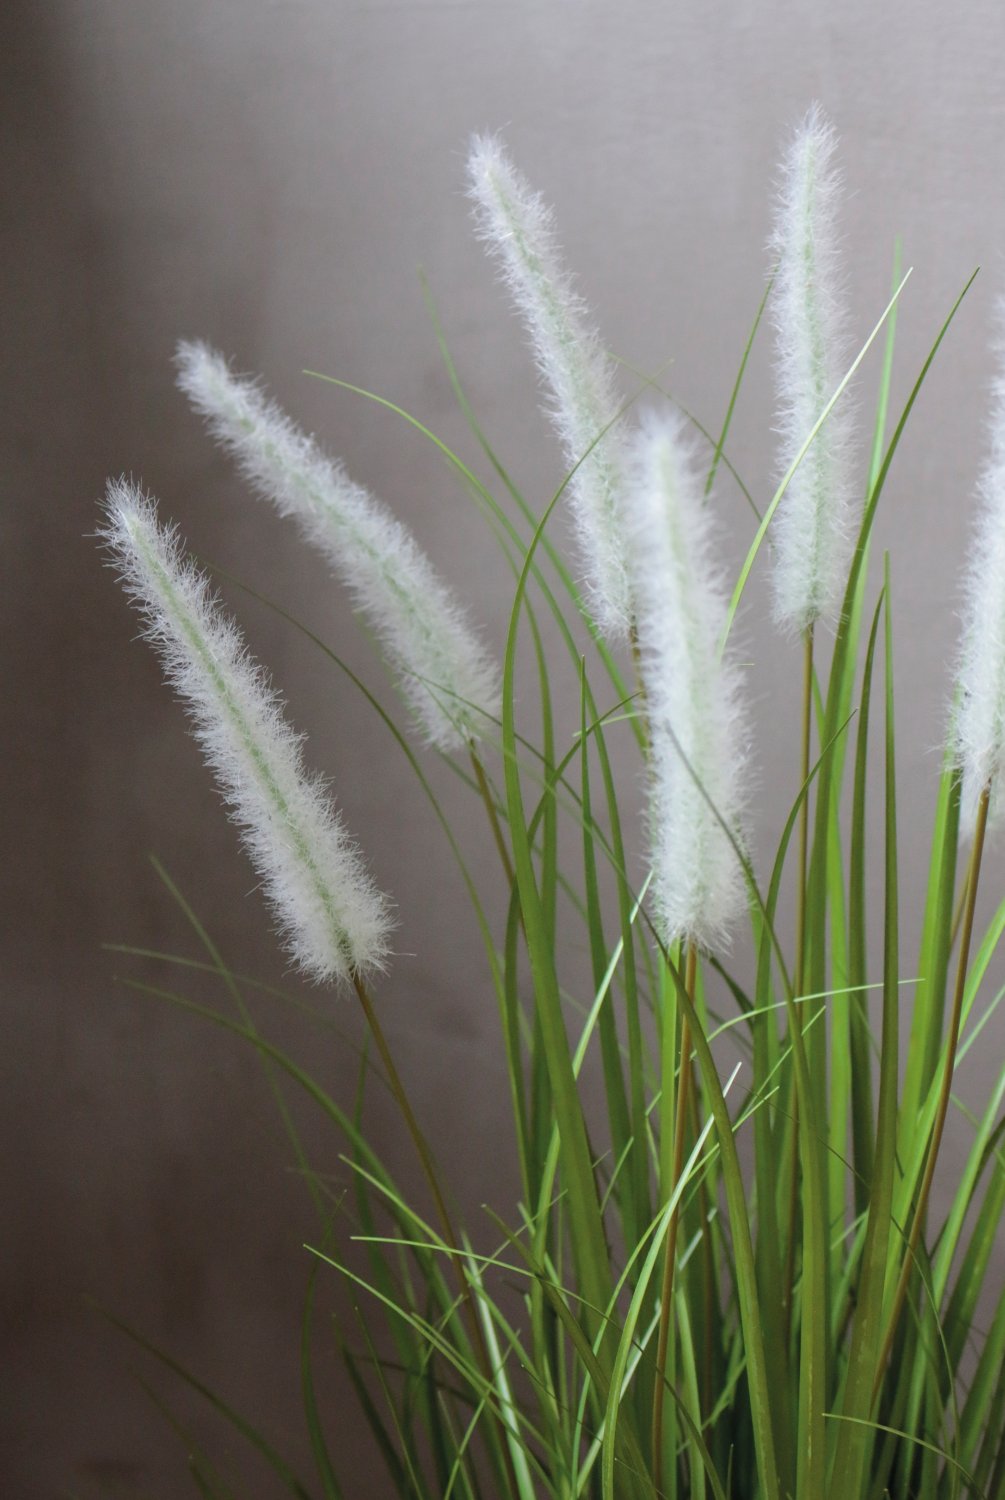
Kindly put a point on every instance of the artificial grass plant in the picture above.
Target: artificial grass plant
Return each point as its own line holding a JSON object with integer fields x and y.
{"x": 734, "y": 1287}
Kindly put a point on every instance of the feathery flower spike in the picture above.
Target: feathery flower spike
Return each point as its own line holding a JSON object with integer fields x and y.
{"x": 444, "y": 672}
{"x": 698, "y": 729}
{"x": 333, "y": 919}
{"x": 697, "y": 722}
{"x": 517, "y": 227}
{"x": 979, "y": 727}
{"x": 814, "y": 527}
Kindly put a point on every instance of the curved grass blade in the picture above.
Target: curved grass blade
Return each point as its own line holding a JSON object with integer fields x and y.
{"x": 755, "y": 545}
{"x": 250, "y": 1433}
{"x": 854, "y": 1439}
{"x": 589, "y": 1242}
{"x": 640, "y": 1295}
{"x": 735, "y": 392}
{"x": 489, "y": 503}
{"x": 322, "y": 1458}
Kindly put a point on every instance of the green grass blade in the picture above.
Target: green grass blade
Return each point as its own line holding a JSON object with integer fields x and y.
{"x": 638, "y": 1162}
{"x": 993, "y": 1437}
{"x": 936, "y": 945}
{"x": 251, "y": 1435}
{"x": 762, "y": 1397}
{"x": 610, "y": 1054}
{"x": 918, "y": 1442}
{"x": 653, "y": 382}
{"x": 860, "y": 1053}
{"x": 640, "y": 1296}
{"x": 589, "y": 1242}
{"x": 233, "y": 989}
{"x": 489, "y": 504}
{"x": 975, "y": 1409}
{"x": 735, "y": 392}
{"x": 855, "y": 1437}
{"x": 403, "y": 1479}
{"x": 521, "y": 1468}
{"x": 322, "y": 1458}
{"x": 205, "y": 1476}
{"x": 762, "y": 529}
{"x": 962, "y": 1307}
{"x": 885, "y": 379}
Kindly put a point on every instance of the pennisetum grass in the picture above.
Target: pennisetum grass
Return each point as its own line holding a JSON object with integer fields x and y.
{"x": 755, "y": 1287}
{"x": 516, "y": 226}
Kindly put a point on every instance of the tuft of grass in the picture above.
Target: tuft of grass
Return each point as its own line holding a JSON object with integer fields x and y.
{"x": 712, "y": 1287}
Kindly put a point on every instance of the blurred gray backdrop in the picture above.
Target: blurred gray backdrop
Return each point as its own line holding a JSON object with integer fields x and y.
{"x": 273, "y": 175}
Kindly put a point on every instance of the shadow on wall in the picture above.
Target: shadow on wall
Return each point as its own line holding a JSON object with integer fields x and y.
{"x": 142, "y": 1163}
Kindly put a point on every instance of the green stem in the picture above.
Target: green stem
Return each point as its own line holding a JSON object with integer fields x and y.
{"x": 921, "y": 1207}
{"x": 450, "y": 1237}
{"x": 800, "y": 972}
{"x": 490, "y": 808}
{"x": 684, "y": 1078}
{"x": 804, "y": 819}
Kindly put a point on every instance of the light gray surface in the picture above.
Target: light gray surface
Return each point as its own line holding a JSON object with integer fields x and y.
{"x": 271, "y": 176}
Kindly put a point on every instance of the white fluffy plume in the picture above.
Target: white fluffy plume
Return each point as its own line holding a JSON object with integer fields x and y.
{"x": 333, "y": 919}
{"x": 979, "y": 728}
{"x": 444, "y": 672}
{"x": 814, "y": 527}
{"x": 517, "y": 227}
{"x": 697, "y": 724}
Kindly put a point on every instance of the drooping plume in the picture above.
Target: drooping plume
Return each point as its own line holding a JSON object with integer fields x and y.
{"x": 698, "y": 729}
{"x": 517, "y": 227}
{"x": 979, "y": 725}
{"x": 444, "y": 672}
{"x": 333, "y": 919}
{"x": 815, "y": 524}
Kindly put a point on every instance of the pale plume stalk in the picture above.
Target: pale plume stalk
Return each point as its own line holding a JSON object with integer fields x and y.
{"x": 444, "y": 672}
{"x": 979, "y": 720}
{"x": 697, "y": 724}
{"x": 334, "y": 921}
{"x": 518, "y": 229}
{"x": 814, "y": 528}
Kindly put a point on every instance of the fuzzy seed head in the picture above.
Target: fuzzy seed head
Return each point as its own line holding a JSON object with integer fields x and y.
{"x": 698, "y": 731}
{"x": 517, "y": 227}
{"x": 979, "y": 721}
{"x": 445, "y": 674}
{"x": 334, "y": 921}
{"x": 815, "y": 524}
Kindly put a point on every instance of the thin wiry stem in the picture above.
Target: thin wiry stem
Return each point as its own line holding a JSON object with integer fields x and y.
{"x": 425, "y": 1156}
{"x": 942, "y": 1109}
{"x": 804, "y": 820}
{"x": 490, "y": 808}
{"x": 670, "y": 1255}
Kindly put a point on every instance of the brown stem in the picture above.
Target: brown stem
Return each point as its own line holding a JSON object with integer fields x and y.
{"x": 446, "y": 1223}
{"x": 917, "y": 1222}
{"x": 670, "y": 1256}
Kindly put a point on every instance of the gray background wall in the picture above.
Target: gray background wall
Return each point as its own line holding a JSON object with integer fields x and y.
{"x": 271, "y": 175}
